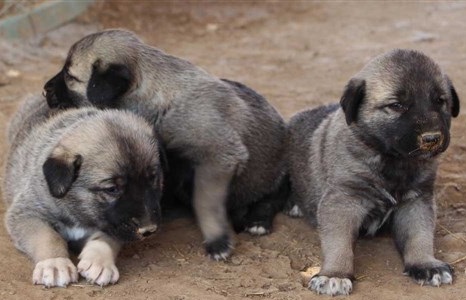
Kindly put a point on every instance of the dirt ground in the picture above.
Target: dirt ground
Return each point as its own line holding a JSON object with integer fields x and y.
{"x": 297, "y": 55}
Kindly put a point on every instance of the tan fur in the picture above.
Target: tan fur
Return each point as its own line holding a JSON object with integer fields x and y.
{"x": 220, "y": 127}
{"x": 39, "y": 223}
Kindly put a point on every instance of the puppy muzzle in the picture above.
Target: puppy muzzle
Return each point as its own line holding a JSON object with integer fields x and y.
{"x": 147, "y": 230}
{"x": 49, "y": 92}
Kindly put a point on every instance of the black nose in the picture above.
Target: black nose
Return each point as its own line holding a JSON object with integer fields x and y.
{"x": 431, "y": 138}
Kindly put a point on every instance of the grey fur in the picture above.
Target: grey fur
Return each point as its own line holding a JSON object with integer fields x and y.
{"x": 233, "y": 137}
{"x": 363, "y": 166}
{"x": 93, "y": 145}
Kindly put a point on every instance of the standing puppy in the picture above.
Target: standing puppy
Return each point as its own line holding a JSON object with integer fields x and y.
{"x": 372, "y": 162}
{"x": 86, "y": 177}
{"x": 231, "y": 137}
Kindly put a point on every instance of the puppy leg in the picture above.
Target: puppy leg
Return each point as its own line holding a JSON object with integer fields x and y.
{"x": 236, "y": 216}
{"x": 413, "y": 228}
{"x": 97, "y": 259}
{"x": 259, "y": 219}
{"x": 216, "y": 150}
{"x": 292, "y": 209}
{"x": 260, "y": 216}
{"x": 210, "y": 194}
{"x": 46, "y": 247}
{"x": 339, "y": 221}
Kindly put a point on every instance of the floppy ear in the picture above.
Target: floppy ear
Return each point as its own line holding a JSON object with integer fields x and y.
{"x": 106, "y": 86}
{"x": 61, "y": 170}
{"x": 352, "y": 98}
{"x": 455, "y": 105}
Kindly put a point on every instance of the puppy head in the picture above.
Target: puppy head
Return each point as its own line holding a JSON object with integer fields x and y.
{"x": 107, "y": 174}
{"x": 401, "y": 103}
{"x": 99, "y": 70}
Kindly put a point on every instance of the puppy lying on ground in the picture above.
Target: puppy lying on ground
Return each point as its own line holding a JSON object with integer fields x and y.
{"x": 372, "y": 162}
{"x": 230, "y": 137}
{"x": 89, "y": 177}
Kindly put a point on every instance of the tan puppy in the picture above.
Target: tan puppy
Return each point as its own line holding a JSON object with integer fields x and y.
{"x": 229, "y": 137}
{"x": 86, "y": 177}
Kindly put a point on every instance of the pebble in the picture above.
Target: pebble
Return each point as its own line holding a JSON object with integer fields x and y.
{"x": 13, "y": 73}
{"x": 421, "y": 36}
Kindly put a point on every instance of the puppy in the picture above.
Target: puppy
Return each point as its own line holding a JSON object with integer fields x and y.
{"x": 372, "y": 162}
{"x": 230, "y": 137}
{"x": 86, "y": 177}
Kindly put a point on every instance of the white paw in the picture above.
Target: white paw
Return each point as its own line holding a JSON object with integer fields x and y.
{"x": 331, "y": 286}
{"x": 438, "y": 279}
{"x": 97, "y": 264}
{"x": 295, "y": 212}
{"x": 52, "y": 272}
{"x": 257, "y": 230}
{"x": 434, "y": 274}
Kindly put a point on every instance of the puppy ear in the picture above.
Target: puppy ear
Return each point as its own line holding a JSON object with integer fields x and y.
{"x": 106, "y": 86}
{"x": 60, "y": 170}
{"x": 455, "y": 105}
{"x": 353, "y": 95}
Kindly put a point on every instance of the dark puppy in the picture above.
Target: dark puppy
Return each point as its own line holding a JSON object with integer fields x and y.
{"x": 372, "y": 163}
{"x": 231, "y": 138}
{"x": 86, "y": 177}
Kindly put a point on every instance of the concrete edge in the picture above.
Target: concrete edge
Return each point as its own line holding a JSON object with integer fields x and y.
{"x": 42, "y": 18}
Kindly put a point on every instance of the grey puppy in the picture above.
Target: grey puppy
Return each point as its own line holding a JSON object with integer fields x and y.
{"x": 230, "y": 136}
{"x": 85, "y": 177}
{"x": 372, "y": 162}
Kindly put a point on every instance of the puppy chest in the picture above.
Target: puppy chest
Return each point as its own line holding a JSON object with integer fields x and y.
{"x": 380, "y": 215}
{"x": 74, "y": 233}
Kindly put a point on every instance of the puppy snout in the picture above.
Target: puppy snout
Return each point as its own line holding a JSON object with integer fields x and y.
{"x": 431, "y": 140}
{"x": 147, "y": 230}
{"x": 49, "y": 95}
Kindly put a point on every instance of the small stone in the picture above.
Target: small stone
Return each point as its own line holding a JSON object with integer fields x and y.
{"x": 212, "y": 27}
{"x": 421, "y": 36}
{"x": 13, "y": 73}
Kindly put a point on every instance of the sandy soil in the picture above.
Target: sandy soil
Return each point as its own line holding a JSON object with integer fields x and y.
{"x": 297, "y": 55}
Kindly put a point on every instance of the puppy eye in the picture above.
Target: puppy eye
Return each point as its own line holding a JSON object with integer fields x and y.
{"x": 441, "y": 100}
{"x": 397, "y": 106}
{"x": 113, "y": 191}
{"x": 69, "y": 77}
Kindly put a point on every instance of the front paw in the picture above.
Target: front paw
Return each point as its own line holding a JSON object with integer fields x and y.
{"x": 330, "y": 285}
{"x": 52, "y": 272}
{"x": 97, "y": 265}
{"x": 431, "y": 273}
{"x": 258, "y": 229}
{"x": 219, "y": 249}
{"x": 294, "y": 211}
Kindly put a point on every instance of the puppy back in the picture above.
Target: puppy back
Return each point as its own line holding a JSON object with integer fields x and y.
{"x": 33, "y": 110}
